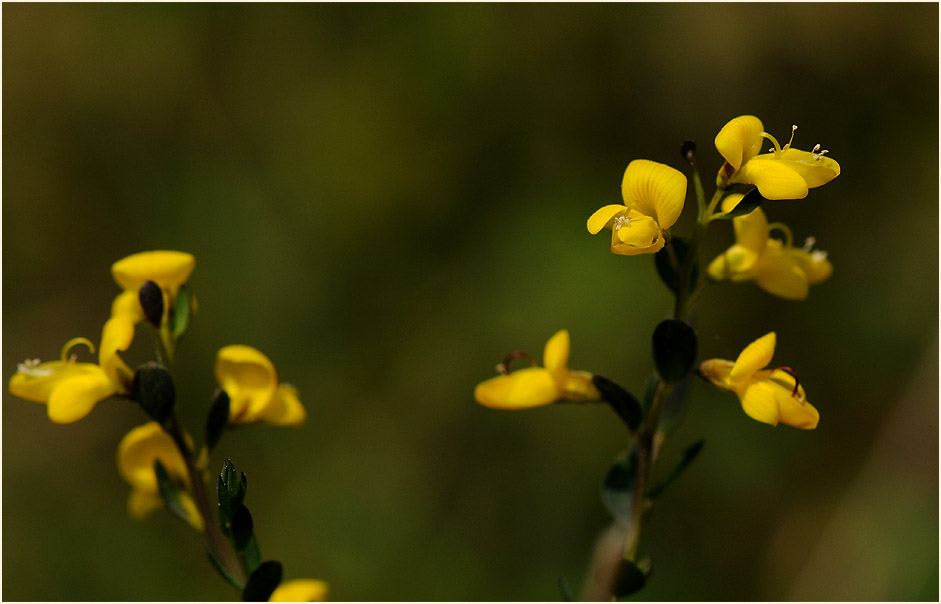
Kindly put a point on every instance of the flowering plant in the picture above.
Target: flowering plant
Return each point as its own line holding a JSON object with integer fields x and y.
{"x": 159, "y": 459}
{"x": 653, "y": 198}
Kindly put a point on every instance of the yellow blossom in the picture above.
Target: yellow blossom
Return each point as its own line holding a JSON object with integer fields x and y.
{"x": 775, "y": 266}
{"x": 783, "y": 173}
{"x": 168, "y": 269}
{"x": 300, "y": 590}
{"x": 71, "y": 389}
{"x": 137, "y": 452}
{"x": 536, "y": 386}
{"x": 767, "y": 395}
{"x": 653, "y": 195}
{"x": 255, "y": 396}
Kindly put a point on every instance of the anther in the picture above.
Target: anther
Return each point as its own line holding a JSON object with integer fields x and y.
{"x": 793, "y": 130}
{"x": 809, "y": 243}
{"x": 622, "y": 221}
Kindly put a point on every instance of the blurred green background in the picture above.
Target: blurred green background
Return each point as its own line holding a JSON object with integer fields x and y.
{"x": 387, "y": 199}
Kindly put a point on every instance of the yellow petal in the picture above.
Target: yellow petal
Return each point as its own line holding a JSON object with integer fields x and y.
{"x": 37, "y": 383}
{"x": 556, "y": 354}
{"x": 815, "y": 169}
{"x": 141, "y": 504}
{"x": 167, "y": 269}
{"x": 751, "y": 230}
{"x": 578, "y": 386}
{"x": 248, "y": 377}
{"x": 74, "y": 398}
{"x": 781, "y": 275}
{"x": 793, "y": 408}
{"x": 733, "y": 264}
{"x": 760, "y": 401}
{"x": 603, "y": 217}
{"x": 740, "y": 140}
{"x": 137, "y": 452}
{"x": 522, "y": 389}
{"x": 814, "y": 264}
{"x": 717, "y": 372}
{"x": 283, "y": 409}
{"x": 774, "y": 179}
{"x": 654, "y": 189}
{"x": 300, "y": 590}
{"x": 116, "y": 336}
{"x": 128, "y": 303}
{"x": 756, "y": 356}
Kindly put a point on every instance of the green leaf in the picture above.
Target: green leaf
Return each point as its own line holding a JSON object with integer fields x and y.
{"x": 241, "y": 528}
{"x": 622, "y": 401}
{"x": 669, "y": 261}
{"x": 617, "y": 490}
{"x": 230, "y": 489}
{"x": 182, "y": 312}
{"x": 262, "y": 583}
{"x": 220, "y": 568}
{"x": 252, "y": 554}
{"x": 629, "y": 580}
{"x": 169, "y": 492}
{"x": 747, "y": 205}
{"x": 674, "y": 349}
{"x": 674, "y": 408}
{"x": 153, "y": 390}
{"x": 217, "y": 419}
{"x": 650, "y": 390}
{"x": 686, "y": 458}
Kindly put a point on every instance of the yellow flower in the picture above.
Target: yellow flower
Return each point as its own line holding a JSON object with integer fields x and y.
{"x": 767, "y": 395}
{"x": 70, "y": 389}
{"x": 169, "y": 270}
{"x": 653, "y": 196}
{"x": 137, "y": 452}
{"x": 784, "y": 173}
{"x": 775, "y": 266}
{"x": 255, "y": 396}
{"x": 300, "y": 590}
{"x": 536, "y": 386}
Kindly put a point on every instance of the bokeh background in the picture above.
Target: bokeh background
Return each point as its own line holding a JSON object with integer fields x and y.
{"x": 387, "y": 199}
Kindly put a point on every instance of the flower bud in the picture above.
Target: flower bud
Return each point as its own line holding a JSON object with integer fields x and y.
{"x": 151, "y": 301}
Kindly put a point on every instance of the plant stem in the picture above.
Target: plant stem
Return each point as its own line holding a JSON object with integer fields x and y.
{"x": 217, "y": 543}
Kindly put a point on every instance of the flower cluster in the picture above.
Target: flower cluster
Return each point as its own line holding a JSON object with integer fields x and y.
{"x": 653, "y": 197}
{"x": 158, "y": 459}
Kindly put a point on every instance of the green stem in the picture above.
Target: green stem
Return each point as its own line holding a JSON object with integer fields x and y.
{"x": 218, "y": 544}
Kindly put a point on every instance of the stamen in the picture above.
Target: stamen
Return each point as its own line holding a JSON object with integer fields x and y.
{"x": 504, "y": 367}
{"x": 783, "y": 228}
{"x": 793, "y": 130}
{"x": 818, "y": 255}
{"x": 793, "y": 374}
{"x": 809, "y": 244}
{"x": 31, "y": 367}
{"x": 621, "y": 222}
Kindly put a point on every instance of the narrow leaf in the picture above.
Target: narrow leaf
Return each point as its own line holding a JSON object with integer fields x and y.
{"x": 262, "y": 582}
{"x": 169, "y": 492}
{"x": 217, "y": 419}
{"x": 674, "y": 349}
{"x": 622, "y": 401}
{"x": 241, "y": 527}
{"x": 182, "y": 312}
{"x": 230, "y": 489}
{"x": 746, "y": 205}
{"x": 686, "y": 458}
{"x": 220, "y": 568}
{"x": 564, "y": 590}
{"x": 252, "y": 554}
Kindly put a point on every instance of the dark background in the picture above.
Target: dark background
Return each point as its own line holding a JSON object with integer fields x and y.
{"x": 386, "y": 199}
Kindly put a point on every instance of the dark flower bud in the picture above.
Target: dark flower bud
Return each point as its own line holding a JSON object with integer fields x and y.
{"x": 153, "y": 389}
{"x": 151, "y": 300}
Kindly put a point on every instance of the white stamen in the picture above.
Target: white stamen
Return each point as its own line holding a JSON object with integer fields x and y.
{"x": 809, "y": 243}
{"x": 31, "y": 367}
{"x": 621, "y": 222}
{"x": 816, "y": 148}
{"x": 818, "y": 255}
